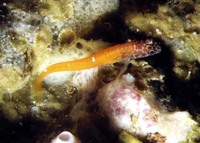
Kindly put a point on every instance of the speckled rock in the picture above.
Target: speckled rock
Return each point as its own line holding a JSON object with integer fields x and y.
{"x": 36, "y": 34}
{"x": 61, "y": 91}
{"x": 129, "y": 110}
{"x": 175, "y": 22}
{"x": 31, "y": 41}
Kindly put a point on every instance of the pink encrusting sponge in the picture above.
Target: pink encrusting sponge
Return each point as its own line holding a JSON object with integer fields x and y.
{"x": 128, "y": 110}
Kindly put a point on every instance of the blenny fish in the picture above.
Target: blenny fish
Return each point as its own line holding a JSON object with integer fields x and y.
{"x": 113, "y": 54}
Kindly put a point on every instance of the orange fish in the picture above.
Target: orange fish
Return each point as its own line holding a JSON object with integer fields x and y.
{"x": 113, "y": 54}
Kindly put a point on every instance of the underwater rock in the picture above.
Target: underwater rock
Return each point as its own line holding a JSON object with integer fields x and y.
{"x": 32, "y": 41}
{"x": 15, "y": 105}
{"x": 127, "y": 109}
{"x": 36, "y": 34}
{"x": 15, "y": 81}
{"x": 63, "y": 89}
{"x": 175, "y": 22}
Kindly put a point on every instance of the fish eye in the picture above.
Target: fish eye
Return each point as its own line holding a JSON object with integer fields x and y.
{"x": 151, "y": 52}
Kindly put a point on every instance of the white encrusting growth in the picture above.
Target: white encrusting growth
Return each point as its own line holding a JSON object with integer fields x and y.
{"x": 65, "y": 137}
{"x": 128, "y": 110}
{"x": 128, "y": 78}
{"x": 86, "y": 12}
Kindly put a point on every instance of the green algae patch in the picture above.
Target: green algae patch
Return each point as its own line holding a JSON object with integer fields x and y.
{"x": 124, "y": 137}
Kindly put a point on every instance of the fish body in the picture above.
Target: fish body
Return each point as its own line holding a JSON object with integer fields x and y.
{"x": 113, "y": 54}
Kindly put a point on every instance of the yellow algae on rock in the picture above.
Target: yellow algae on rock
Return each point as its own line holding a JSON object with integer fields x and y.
{"x": 44, "y": 38}
{"x": 193, "y": 135}
{"x": 164, "y": 23}
{"x": 58, "y": 10}
{"x": 15, "y": 63}
{"x": 61, "y": 90}
{"x": 15, "y": 105}
{"x": 66, "y": 36}
{"x": 178, "y": 29}
{"x": 51, "y": 33}
{"x": 10, "y": 112}
{"x": 41, "y": 50}
{"x": 12, "y": 80}
{"x": 124, "y": 137}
